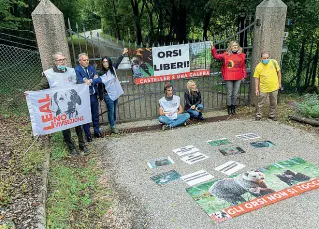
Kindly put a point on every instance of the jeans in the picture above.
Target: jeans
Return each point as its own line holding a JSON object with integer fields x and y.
{"x": 195, "y": 113}
{"x": 232, "y": 91}
{"x": 95, "y": 117}
{"x": 181, "y": 118}
{"x": 272, "y": 103}
{"x": 111, "y": 109}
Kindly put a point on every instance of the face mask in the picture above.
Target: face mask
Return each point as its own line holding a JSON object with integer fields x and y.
{"x": 265, "y": 61}
{"x": 61, "y": 67}
{"x": 235, "y": 51}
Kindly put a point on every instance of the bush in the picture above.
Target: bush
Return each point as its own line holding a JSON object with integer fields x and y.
{"x": 310, "y": 106}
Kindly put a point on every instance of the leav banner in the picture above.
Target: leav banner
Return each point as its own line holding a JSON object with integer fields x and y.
{"x": 53, "y": 110}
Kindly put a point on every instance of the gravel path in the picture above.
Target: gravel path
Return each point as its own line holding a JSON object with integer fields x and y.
{"x": 170, "y": 206}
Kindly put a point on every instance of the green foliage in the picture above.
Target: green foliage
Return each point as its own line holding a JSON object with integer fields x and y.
{"x": 310, "y": 106}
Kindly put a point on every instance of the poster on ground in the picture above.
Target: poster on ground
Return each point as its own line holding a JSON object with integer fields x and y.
{"x": 230, "y": 197}
{"x": 185, "y": 150}
{"x": 197, "y": 177}
{"x": 229, "y": 167}
{"x": 262, "y": 144}
{"x": 160, "y": 162}
{"x": 57, "y": 109}
{"x": 231, "y": 150}
{"x": 248, "y": 136}
{"x": 219, "y": 142}
{"x": 166, "y": 177}
{"x": 194, "y": 158}
{"x": 166, "y": 63}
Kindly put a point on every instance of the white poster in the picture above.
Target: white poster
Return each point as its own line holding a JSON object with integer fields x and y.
{"x": 229, "y": 167}
{"x": 172, "y": 59}
{"x": 194, "y": 157}
{"x": 185, "y": 150}
{"x": 53, "y": 110}
{"x": 197, "y": 177}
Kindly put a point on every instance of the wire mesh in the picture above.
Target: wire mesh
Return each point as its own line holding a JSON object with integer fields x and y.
{"x": 20, "y": 70}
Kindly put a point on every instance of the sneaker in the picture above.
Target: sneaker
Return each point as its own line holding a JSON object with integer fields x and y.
{"x": 98, "y": 135}
{"x": 115, "y": 131}
{"x": 273, "y": 118}
{"x": 166, "y": 127}
{"x": 74, "y": 152}
{"x": 200, "y": 117}
{"x": 258, "y": 118}
{"x": 88, "y": 138}
{"x": 84, "y": 149}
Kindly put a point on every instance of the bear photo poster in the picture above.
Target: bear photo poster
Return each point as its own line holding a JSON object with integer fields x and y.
{"x": 238, "y": 194}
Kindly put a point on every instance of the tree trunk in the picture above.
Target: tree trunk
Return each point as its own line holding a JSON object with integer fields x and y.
{"x": 315, "y": 66}
{"x": 137, "y": 19}
{"x": 180, "y": 22}
{"x": 150, "y": 15}
{"x": 307, "y": 80}
{"x": 118, "y": 33}
{"x": 160, "y": 21}
{"x": 206, "y": 24}
{"x": 299, "y": 70}
{"x": 241, "y": 20}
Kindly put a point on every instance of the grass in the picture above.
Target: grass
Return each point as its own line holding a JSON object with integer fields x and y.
{"x": 77, "y": 198}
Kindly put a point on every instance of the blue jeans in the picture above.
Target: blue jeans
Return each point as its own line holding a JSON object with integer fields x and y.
{"x": 111, "y": 109}
{"x": 232, "y": 91}
{"x": 195, "y": 113}
{"x": 181, "y": 118}
{"x": 95, "y": 117}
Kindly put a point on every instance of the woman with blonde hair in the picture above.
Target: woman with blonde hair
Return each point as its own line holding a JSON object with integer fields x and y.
{"x": 193, "y": 101}
{"x": 233, "y": 71}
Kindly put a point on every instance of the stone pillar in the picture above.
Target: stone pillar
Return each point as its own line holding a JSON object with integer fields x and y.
{"x": 49, "y": 27}
{"x": 268, "y": 35}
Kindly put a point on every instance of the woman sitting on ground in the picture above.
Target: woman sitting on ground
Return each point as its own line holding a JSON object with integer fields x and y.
{"x": 193, "y": 101}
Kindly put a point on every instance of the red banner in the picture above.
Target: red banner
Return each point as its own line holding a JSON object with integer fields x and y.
{"x": 184, "y": 75}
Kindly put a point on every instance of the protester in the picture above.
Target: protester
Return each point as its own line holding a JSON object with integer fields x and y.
{"x": 170, "y": 110}
{"x": 87, "y": 74}
{"x": 110, "y": 89}
{"x": 233, "y": 71}
{"x": 193, "y": 101}
{"x": 267, "y": 82}
{"x": 61, "y": 76}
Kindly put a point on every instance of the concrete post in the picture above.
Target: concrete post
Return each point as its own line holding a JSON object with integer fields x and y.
{"x": 268, "y": 35}
{"x": 49, "y": 27}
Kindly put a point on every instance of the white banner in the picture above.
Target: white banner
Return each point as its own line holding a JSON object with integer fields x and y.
{"x": 53, "y": 110}
{"x": 172, "y": 59}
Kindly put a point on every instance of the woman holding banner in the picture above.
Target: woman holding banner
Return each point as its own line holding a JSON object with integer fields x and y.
{"x": 233, "y": 71}
{"x": 110, "y": 89}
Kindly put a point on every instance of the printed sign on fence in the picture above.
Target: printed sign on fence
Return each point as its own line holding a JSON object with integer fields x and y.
{"x": 53, "y": 110}
{"x": 165, "y": 63}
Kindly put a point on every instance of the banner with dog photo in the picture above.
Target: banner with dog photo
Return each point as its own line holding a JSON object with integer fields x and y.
{"x": 53, "y": 110}
{"x": 238, "y": 194}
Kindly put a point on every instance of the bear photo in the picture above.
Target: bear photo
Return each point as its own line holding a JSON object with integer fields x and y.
{"x": 232, "y": 189}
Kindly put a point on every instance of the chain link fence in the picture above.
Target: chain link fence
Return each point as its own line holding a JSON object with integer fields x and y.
{"x": 20, "y": 70}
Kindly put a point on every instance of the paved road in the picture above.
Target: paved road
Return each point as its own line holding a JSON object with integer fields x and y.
{"x": 171, "y": 207}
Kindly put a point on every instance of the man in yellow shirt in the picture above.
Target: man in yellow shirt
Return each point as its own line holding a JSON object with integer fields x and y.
{"x": 267, "y": 81}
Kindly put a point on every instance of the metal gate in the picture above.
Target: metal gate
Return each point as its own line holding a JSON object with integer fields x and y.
{"x": 140, "y": 102}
